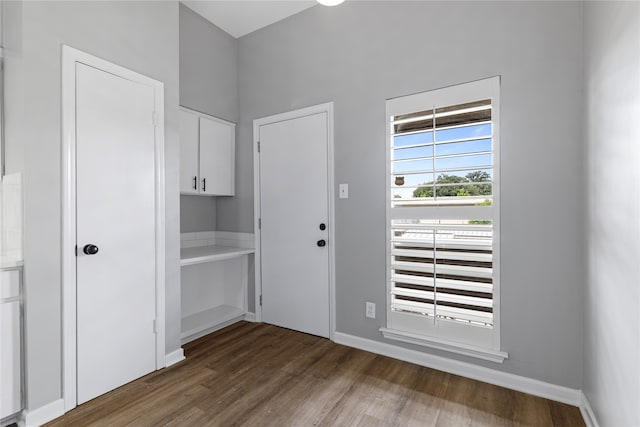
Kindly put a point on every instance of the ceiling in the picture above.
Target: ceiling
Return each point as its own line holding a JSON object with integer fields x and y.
{"x": 240, "y": 17}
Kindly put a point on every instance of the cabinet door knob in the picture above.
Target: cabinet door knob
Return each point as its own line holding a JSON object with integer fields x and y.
{"x": 204, "y": 184}
{"x": 90, "y": 249}
{"x": 195, "y": 182}
{"x": 321, "y": 243}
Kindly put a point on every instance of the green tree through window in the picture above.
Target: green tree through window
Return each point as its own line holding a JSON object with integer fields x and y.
{"x": 464, "y": 189}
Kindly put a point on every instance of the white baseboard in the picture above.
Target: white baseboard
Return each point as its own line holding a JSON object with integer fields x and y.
{"x": 250, "y": 317}
{"x": 44, "y": 414}
{"x": 587, "y": 412}
{"x": 174, "y": 357}
{"x": 503, "y": 379}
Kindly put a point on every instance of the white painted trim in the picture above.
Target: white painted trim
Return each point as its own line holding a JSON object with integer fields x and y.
{"x": 332, "y": 221}
{"x": 161, "y": 225}
{"x": 207, "y": 116}
{"x": 250, "y": 317}
{"x": 587, "y": 411}
{"x": 69, "y": 58}
{"x": 257, "y": 259}
{"x": 440, "y": 344}
{"x": 45, "y": 413}
{"x": 503, "y": 379}
{"x": 244, "y": 282}
{"x": 68, "y": 231}
{"x": 174, "y": 357}
{"x": 316, "y": 109}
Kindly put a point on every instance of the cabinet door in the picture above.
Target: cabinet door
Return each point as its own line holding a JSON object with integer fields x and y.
{"x": 10, "y": 358}
{"x": 189, "y": 179}
{"x": 217, "y": 157}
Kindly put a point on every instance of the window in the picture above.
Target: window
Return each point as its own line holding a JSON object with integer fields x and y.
{"x": 443, "y": 219}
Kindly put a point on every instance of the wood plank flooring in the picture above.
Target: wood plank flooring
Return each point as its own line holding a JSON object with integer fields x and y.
{"x": 261, "y": 375}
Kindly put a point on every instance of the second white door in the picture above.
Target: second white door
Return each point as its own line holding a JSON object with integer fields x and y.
{"x": 294, "y": 214}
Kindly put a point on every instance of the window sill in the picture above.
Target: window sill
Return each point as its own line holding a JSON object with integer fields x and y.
{"x": 453, "y": 347}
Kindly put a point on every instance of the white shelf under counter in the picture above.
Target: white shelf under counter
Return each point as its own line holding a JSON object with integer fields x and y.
{"x": 214, "y": 281}
{"x": 210, "y": 320}
{"x": 200, "y": 254}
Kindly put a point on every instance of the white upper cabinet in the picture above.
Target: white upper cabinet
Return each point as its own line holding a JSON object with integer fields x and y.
{"x": 217, "y": 157}
{"x": 189, "y": 178}
{"x": 207, "y": 154}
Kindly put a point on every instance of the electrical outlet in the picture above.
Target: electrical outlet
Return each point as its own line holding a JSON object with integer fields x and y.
{"x": 371, "y": 310}
{"x": 343, "y": 191}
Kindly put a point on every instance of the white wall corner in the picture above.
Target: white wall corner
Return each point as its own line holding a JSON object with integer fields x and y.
{"x": 587, "y": 412}
{"x": 503, "y": 379}
{"x": 174, "y": 357}
{"x": 44, "y": 414}
{"x": 250, "y": 317}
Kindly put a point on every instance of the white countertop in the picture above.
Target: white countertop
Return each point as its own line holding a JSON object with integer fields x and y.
{"x": 200, "y": 254}
{"x": 7, "y": 262}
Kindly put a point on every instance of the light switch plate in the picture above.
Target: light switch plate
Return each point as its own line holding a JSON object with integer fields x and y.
{"x": 344, "y": 191}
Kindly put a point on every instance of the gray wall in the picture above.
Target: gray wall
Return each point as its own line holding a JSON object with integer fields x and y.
{"x": 142, "y": 36}
{"x": 13, "y": 85}
{"x": 208, "y": 83}
{"x": 612, "y": 297}
{"x": 197, "y": 213}
{"x": 359, "y": 54}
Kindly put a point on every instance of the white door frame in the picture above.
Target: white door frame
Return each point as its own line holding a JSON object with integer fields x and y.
{"x": 70, "y": 57}
{"x": 316, "y": 109}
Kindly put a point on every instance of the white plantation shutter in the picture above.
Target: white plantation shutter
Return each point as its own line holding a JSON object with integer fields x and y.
{"x": 443, "y": 215}
{"x": 443, "y": 271}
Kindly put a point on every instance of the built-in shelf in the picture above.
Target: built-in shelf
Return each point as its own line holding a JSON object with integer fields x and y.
{"x": 207, "y": 321}
{"x": 214, "y": 281}
{"x": 200, "y": 254}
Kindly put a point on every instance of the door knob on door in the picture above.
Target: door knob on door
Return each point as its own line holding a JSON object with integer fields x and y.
{"x": 321, "y": 243}
{"x": 90, "y": 249}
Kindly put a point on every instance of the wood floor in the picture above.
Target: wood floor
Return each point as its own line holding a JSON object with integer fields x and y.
{"x": 260, "y": 375}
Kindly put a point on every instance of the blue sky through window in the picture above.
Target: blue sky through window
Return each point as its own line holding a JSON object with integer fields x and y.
{"x": 470, "y": 156}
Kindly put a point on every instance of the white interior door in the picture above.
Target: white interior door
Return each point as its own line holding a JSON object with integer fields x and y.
{"x": 115, "y": 199}
{"x": 293, "y": 205}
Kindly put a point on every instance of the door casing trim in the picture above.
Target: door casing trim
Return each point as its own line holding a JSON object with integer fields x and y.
{"x": 308, "y": 111}
{"x": 70, "y": 57}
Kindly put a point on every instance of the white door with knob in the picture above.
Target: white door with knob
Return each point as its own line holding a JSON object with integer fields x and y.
{"x": 294, "y": 217}
{"x": 116, "y": 224}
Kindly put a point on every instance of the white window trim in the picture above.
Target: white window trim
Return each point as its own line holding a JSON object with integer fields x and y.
{"x": 440, "y": 344}
{"x": 458, "y": 94}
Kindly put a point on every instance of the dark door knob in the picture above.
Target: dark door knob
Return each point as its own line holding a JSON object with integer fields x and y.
{"x": 90, "y": 249}
{"x": 323, "y": 226}
{"x": 321, "y": 243}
